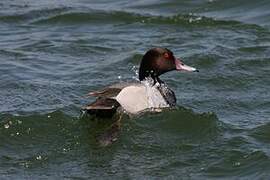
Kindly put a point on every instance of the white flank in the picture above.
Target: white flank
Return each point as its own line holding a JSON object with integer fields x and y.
{"x": 138, "y": 98}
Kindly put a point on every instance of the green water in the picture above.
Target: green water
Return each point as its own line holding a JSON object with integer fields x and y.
{"x": 53, "y": 53}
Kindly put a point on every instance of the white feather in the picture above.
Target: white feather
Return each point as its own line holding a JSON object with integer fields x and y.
{"x": 139, "y": 97}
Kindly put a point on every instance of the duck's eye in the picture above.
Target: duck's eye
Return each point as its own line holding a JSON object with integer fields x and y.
{"x": 166, "y": 55}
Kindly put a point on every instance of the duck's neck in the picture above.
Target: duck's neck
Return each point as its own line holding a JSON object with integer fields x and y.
{"x": 164, "y": 90}
{"x": 154, "y": 79}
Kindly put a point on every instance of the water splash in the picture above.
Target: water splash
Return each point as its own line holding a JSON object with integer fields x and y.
{"x": 135, "y": 69}
{"x": 154, "y": 97}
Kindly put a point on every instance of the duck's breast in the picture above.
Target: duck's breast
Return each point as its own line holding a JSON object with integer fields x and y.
{"x": 138, "y": 98}
{"x": 133, "y": 99}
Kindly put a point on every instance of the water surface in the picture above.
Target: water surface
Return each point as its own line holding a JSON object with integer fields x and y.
{"x": 53, "y": 52}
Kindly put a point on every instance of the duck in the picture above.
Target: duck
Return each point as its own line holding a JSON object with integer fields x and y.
{"x": 150, "y": 92}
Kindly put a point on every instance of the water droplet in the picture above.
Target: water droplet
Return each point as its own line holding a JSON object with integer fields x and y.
{"x": 28, "y": 130}
{"x": 17, "y": 133}
{"x": 154, "y": 98}
{"x": 25, "y": 164}
{"x": 237, "y": 164}
{"x": 6, "y": 126}
{"x": 198, "y": 18}
{"x": 39, "y": 157}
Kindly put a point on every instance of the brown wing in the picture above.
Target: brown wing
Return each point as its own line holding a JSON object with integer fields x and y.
{"x": 111, "y": 91}
{"x": 102, "y": 107}
{"x": 105, "y": 105}
{"x": 105, "y": 93}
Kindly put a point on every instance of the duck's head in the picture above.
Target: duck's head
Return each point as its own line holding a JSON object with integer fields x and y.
{"x": 158, "y": 61}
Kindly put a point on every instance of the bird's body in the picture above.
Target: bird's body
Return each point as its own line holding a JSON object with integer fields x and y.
{"x": 148, "y": 93}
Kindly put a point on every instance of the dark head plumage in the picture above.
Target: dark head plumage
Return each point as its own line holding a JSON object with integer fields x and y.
{"x": 158, "y": 61}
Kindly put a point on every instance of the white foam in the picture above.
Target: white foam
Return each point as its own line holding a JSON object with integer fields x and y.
{"x": 155, "y": 99}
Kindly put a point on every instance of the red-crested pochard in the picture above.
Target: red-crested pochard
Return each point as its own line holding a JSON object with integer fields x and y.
{"x": 149, "y": 93}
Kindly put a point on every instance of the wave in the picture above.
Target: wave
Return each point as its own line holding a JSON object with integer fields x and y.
{"x": 261, "y": 133}
{"x": 251, "y": 63}
{"x": 48, "y": 126}
{"x": 182, "y": 122}
{"x": 255, "y": 12}
{"x": 210, "y": 13}
{"x": 239, "y": 163}
{"x": 129, "y": 17}
{"x": 32, "y": 15}
{"x": 73, "y": 16}
{"x": 38, "y": 133}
